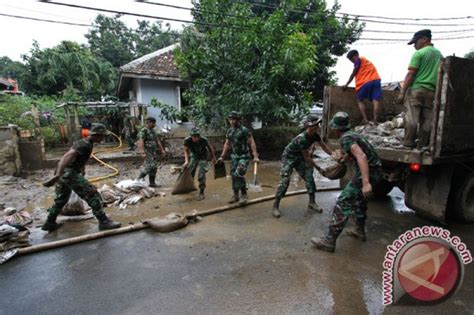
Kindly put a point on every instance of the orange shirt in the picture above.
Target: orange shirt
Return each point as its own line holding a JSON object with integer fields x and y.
{"x": 367, "y": 72}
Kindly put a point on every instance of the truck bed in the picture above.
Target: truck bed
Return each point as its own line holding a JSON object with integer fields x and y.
{"x": 453, "y": 115}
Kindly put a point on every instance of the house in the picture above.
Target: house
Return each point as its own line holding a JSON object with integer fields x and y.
{"x": 153, "y": 76}
{"x": 9, "y": 86}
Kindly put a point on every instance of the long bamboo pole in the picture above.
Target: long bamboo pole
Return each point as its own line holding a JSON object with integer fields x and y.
{"x": 141, "y": 226}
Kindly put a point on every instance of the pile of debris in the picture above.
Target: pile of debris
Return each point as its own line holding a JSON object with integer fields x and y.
{"x": 127, "y": 192}
{"x": 388, "y": 134}
{"x": 14, "y": 230}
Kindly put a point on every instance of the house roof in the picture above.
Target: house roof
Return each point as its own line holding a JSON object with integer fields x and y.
{"x": 159, "y": 63}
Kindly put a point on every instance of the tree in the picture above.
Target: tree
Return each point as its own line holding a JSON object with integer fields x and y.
{"x": 68, "y": 66}
{"x": 266, "y": 61}
{"x": 470, "y": 55}
{"x": 112, "y": 40}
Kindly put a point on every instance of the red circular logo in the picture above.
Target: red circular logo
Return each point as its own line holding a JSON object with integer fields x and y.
{"x": 429, "y": 271}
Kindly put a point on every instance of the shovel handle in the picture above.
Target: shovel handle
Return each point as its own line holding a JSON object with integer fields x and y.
{"x": 255, "y": 168}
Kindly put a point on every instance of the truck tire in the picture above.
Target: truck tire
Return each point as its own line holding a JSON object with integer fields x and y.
{"x": 382, "y": 188}
{"x": 463, "y": 203}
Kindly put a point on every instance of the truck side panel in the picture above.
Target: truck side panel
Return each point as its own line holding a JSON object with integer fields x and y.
{"x": 335, "y": 100}
{"x": 455, "y": 119}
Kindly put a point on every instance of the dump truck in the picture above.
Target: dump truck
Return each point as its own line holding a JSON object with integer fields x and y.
{"x": 438, "y": 182}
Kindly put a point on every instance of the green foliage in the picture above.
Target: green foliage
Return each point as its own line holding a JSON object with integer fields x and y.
{"x": 68, "y": 67}
{"x": 267, "y": 63}
{"x": 168, "y": 112}
{"x": 272, "y": 140}
{"x": 112, "y": 40}
{"x": 470, "y": 55}
{"x": 16, "y": 110}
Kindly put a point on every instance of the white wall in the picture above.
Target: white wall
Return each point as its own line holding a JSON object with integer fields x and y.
{"x": 164, "y": 91}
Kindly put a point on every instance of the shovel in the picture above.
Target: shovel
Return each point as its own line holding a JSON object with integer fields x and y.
{"x": 254, "y": 186}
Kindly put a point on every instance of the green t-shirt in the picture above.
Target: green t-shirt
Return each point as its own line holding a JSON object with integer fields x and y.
{"x": 83, "y": 150}
{"x": 198, "y": 149}
{"x": 349, "y": 138}
{"x": 426, "y": 61}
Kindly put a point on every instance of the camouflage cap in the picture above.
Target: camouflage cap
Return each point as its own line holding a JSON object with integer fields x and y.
{"x": 98, "y": 129}
{"x": 311, "y": 120}
{"x": 195, "y": 132}
{"x": 340, "y": 121}
{"x": 234, "y": 114}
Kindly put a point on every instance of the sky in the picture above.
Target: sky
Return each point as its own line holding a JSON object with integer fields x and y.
{"x": 390, "y": 58}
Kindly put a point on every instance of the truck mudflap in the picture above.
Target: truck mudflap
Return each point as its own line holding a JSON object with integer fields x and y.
{"x": 427, "y": 192}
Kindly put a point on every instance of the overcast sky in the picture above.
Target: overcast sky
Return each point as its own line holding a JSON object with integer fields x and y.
{"x": 391, "y": 59}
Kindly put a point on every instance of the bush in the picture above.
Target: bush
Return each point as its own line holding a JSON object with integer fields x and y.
{"x": 51, "y": 136}
{"x": 272, "y": 140}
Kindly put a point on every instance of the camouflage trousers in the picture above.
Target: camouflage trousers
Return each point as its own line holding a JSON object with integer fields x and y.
{"x": 130, "y": 140}
{"x": 352, "y": 201}
{"x": 302, "y": 168}
{"x": 150, "y": 166}
{"x": 239, "y": 166}
{"x": 203, "y": 167}
{"x": 73, "y": 180}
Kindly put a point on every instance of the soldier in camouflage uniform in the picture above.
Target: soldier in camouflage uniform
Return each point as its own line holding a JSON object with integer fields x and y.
{"x": 239, "y": 139}
{"x": 199, "y": 148}
{"x": 148, "y": 148}
{"x": 70, "y": 177}
{"x": 130, "y": 132}
{"x": 297, "y": 156}
{"x": 353, "y": 198}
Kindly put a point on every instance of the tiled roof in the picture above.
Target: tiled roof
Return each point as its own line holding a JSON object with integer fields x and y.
{"x": 158, "y": 63}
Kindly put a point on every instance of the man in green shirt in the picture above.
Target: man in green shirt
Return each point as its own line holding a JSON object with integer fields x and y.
{"x": 69, "y": 177}
{"x": 419, "y": 89}
{"x": 198, "y": 147}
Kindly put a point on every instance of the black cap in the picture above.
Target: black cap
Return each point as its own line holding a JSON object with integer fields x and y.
{"x": 420, "y": 34}
{"x": 352, "y": 53}
{"x": 233, "y": 114}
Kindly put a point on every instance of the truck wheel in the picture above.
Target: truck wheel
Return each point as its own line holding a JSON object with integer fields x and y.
{"x": 464, "y": 199}
{"x": 382, "y": 188}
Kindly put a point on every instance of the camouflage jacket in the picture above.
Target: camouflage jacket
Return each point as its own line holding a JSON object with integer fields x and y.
{"x": 238, "y": 138}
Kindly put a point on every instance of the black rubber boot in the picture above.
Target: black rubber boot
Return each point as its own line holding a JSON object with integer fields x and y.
{"x": 276, "y": 205}
{"x": 152, "y": 181}
{"x": 312, "y": 205}
{"x": 358, "y": 232}
{"x": 235, "y": 197}
{"x": 243, "y": 197}
{"x": 201, "y": 195}
{"x": 106, "y": 224}
{"x": 50, "y": 224}
{"x": 327, "y": 243}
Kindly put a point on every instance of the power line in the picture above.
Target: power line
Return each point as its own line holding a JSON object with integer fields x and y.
{"x": 43, "y": 20}
{"x": 184, "y": 21}
{"x": 135, "y": 14}
{"x": 232, "y": 15}
{"x": 409, "y": 19}
{"x": 42, "y": 12}
{"x": 347, "y": 16}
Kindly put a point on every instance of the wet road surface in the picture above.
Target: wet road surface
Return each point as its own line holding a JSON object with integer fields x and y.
{"x": 241, "y": 261}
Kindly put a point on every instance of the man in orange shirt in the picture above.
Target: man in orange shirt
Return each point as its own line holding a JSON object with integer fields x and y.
{"x": 367, "y": 84}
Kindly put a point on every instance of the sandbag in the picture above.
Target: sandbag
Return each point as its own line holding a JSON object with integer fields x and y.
{"x": 184, "y": 184}
{"x": 172, "y": 222}
{"x": 74, "y": 206}
{"x": 219, "y": 170}
{"x": 335, "y": 171}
